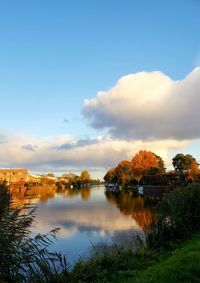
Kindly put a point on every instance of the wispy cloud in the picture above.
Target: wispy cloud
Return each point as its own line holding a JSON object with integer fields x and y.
{"x": 29, "y": 147}
{"x": 62, "y": 153}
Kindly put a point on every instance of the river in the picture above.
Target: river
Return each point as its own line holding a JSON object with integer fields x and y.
{"x": 87, "y": 217}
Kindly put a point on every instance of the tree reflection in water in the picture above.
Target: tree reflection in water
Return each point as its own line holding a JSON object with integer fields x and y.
{"x": 140, "y": 208}
{"x": 22, "y": 195}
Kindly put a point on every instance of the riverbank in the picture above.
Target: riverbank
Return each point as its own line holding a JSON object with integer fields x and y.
{"x": 171, "y": 253}
{"x": 181, "y": 264}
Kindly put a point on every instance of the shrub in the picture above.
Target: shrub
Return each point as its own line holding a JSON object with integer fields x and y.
{"x": 177, "y": 216}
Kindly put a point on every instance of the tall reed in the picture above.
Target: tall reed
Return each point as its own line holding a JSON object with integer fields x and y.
{"x": 24, "y": 258}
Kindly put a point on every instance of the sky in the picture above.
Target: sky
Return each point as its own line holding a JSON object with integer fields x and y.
{"x": 85, "y": 84}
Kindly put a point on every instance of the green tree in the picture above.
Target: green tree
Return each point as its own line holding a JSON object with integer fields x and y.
{"x": 182, "y": 162}
{"x": 77, "y": 181}
{"x": 50, "y": 175}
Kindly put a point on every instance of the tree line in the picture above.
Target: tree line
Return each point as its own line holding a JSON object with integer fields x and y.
{"x": 147, "y": 167}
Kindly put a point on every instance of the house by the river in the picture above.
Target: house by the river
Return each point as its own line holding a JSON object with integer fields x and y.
{"x": 13, "y": 176}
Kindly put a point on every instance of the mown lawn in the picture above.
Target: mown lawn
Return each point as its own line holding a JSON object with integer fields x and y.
{"x": 183, "y": 265}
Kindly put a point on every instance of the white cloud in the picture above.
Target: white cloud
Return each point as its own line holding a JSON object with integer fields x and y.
{"x": 142, "y": 111}
{"x": 65, "y": 153}
{"x": 146, "y": 106}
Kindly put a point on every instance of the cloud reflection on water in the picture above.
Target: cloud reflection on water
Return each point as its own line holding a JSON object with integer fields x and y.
{"x": 86, "y": 216}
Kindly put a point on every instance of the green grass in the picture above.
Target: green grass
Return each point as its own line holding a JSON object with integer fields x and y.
{"x": 180, "y": 265}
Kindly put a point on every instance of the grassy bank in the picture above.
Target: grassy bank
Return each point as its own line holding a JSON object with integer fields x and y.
{"x": 179, "y": 265}
{"x": 176, "y": 220}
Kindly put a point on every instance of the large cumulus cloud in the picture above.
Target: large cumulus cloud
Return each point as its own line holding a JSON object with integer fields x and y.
{"x": 148, "y": 106}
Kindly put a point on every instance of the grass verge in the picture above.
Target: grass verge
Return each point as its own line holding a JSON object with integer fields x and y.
{"x": 180, "y": 265}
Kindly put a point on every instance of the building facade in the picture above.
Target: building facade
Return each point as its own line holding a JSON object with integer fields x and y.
{"x": 12, "y": 176}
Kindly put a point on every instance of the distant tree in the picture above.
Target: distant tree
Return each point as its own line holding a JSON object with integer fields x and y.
{"x": 142, "y": 162}
{"x": 85, "y": 177}
{"x": 124, "y": 172}
{"x": 98, "y": 182}
{"x": 110, "y": 176}
{"x": 50, "y": 175}
{"x": 76, "y": 181}
{"x": 182, "y": 162}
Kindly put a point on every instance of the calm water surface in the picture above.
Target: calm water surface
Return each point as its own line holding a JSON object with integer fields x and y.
{"x": 86, "y": 217}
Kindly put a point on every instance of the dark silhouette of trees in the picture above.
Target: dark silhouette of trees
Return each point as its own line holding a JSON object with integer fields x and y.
{"x": 110, "y": 176}
{"x": 182, "y": 163}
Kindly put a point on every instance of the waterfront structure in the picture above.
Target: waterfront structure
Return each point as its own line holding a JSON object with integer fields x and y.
{"x": 13, "y": 176}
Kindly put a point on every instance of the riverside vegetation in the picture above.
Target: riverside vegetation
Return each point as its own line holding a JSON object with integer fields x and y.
{"x": 147, "y": 168}
{"x": 172, "y": 245}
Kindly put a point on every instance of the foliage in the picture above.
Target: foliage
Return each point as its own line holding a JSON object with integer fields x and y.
{"x": 182, "y": 162}
{"x": 131, "y": 172}
{"x": 177, "y": 217}
{"x": 105, "y": 266}
{"x": 50, "y": 175}
{"x": 124, "y": 173}
{"x": 160, "y": 168}
{"x": 85, "y": 177}
{"x": 76, "y": 181}
{"x": 110, "y": 176}
{"x": 142, "y": 162}
{"x": 194, "y": 171}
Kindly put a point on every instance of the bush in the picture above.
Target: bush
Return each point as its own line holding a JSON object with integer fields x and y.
{"x": 177, "y": 216}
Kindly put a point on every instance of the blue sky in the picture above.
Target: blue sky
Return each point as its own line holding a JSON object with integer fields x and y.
{"x": 55, "y": 54}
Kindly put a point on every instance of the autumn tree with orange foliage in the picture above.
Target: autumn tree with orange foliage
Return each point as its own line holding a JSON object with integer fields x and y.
{"x": 194, "y": 171}
{"x": 124, "y": 173}
{"x": 142, "y": 162}
{"x": 85, "y": 177}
